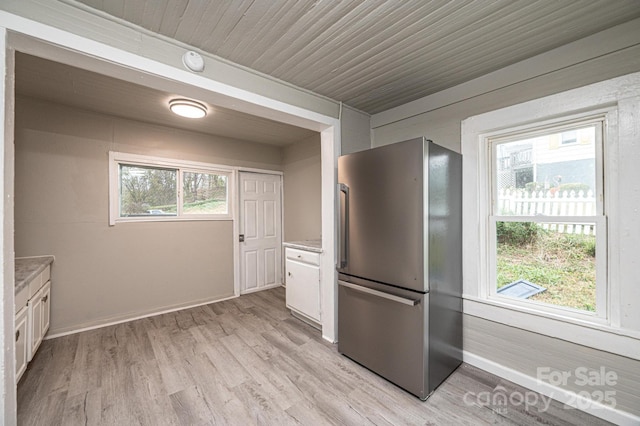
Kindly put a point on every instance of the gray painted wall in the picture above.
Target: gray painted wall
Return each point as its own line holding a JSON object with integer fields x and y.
{"x": 302, "y": 175}
{"x": 302, "y": 190}
{"x": 356, "y": 130}
{"x": 104, "y": 273}
{"x": 525, "y": 352}
{"x": 439, "y": 118}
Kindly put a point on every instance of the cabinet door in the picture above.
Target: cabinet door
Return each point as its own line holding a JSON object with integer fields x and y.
{"x": 21, "y": 341}
{"x": 35, "y": 323}
{"x": 303, "y": 289}
{"x": 46, "y": 308}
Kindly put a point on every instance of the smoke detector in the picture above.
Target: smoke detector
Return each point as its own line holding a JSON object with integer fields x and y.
{"x": 193, "y": 61}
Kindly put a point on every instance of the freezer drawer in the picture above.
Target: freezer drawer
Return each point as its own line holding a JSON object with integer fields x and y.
{"x": 383, "y": 328}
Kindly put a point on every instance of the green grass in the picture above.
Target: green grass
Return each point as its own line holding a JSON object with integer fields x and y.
{"x": 205, "y": 207}
{"x": 563, "y": 263}
{"x": 197, "y": 207}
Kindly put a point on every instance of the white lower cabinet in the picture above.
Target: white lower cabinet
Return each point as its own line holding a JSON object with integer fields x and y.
{"x": 33, "y": 312}
{"x": 303, "y": 283}
{"x": 22, "y": 340}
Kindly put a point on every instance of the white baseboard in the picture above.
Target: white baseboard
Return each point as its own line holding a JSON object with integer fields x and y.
{"x": 125, "y": 318}
{"x": 559, "y": 394}
{"x": 267, "y": 287}
{"x": 302, "y": 317}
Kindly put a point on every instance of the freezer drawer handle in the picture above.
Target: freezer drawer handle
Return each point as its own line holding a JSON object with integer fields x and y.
{"x": 410, "y": 302}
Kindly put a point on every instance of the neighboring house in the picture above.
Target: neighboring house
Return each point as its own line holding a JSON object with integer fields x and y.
{"x": 549, "y": 161}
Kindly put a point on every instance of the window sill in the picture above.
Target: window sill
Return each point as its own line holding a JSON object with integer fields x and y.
{"x": 169, "y": 219}
{"x": 587, "y": 333}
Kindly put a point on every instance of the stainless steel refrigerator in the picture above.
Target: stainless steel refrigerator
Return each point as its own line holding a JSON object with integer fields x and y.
{"x": 400, "y": 262}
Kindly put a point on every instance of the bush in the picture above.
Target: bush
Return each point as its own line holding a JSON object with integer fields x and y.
{"x": 577, "y": 187}
{"x": 516, "y": 233}
{"x": 533, "y": 186}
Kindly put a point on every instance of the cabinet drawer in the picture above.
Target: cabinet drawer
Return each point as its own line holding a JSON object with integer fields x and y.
{"x": 46, "y": 274}
{"x": 22, "y": 298}
{"x": 37, "y": 283}
{"x": 303, "y": 256}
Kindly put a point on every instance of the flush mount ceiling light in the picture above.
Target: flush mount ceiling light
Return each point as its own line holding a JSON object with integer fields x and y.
{"x": 187, "y": 108}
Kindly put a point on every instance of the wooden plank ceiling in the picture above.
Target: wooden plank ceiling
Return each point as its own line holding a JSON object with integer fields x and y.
{"x": 371, "y": 54}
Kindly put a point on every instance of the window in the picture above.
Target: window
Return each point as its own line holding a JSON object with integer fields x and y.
{"x": 546, "y": 217}
{"x": 151, "y": 189}
{"x": 147, "y": 191}
{"x": 204, "y": 193}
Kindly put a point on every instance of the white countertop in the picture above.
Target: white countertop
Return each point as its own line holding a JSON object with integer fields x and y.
{"x": 27, "y": 268}
{"x": 309, "y": 245}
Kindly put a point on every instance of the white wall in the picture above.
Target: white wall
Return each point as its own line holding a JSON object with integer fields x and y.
{"x": 104, "y": 273}
{"x": 512, "y": 351}
{"x": 7, "y": 312}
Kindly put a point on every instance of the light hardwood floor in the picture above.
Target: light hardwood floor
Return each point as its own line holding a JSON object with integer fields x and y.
{"x": 242, "y": 362}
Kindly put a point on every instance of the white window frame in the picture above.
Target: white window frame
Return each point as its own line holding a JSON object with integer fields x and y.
{"x": 619, "y": 98}
{"x": 120, "y": 158}
{"x": 492, "y": 140}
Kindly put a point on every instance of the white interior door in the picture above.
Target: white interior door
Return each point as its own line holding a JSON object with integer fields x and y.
{"x": 261, "y": 229}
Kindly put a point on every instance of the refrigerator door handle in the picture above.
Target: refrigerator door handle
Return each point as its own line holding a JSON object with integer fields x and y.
{"x": 343, "y": 234}
{"x": 392, "y": 297}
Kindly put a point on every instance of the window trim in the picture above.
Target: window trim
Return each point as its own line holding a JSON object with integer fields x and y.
{"x": 181, "y": 166}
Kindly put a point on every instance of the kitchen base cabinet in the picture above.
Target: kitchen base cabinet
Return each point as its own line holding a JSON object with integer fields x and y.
{"x": 303, "y": 284}
{"x": 32, "y": 307}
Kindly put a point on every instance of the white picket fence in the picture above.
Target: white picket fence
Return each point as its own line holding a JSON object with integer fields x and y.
{"x": 566, "y": 203}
